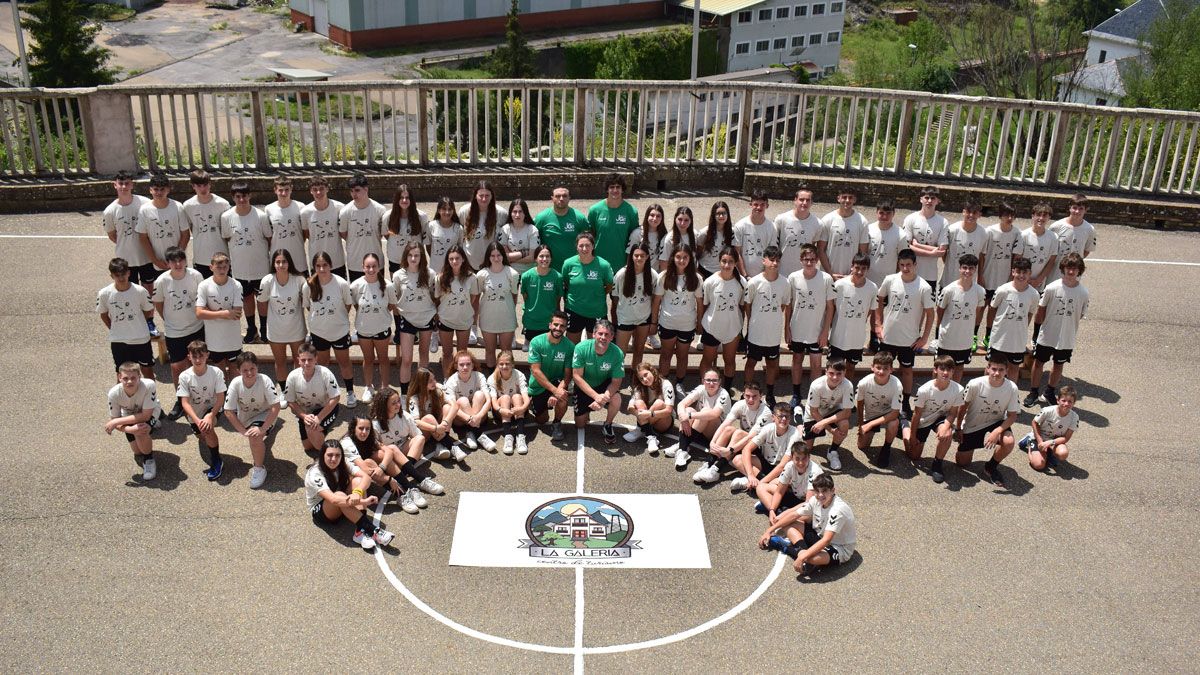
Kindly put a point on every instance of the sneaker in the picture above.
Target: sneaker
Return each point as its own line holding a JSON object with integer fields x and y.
{"x": 417, "y": 498}
{"x": 771, "y": 402}
{"x": 354, "y": 337}
{"x": 760, "y": 508}
{"x": 993, "y": 476}
{"x": 738, "y": 484}
{"x": 383, "y": 537}
{"x": 407, "y": 503}
{"x": 1030, "y": 399}
{"x": 653, "y": 342}
{"x": 433, "y": 343}
{"x": 258, "y": 476}
{"x": 795, "y": 403}
{"x": 987, "y": 343}
{"x": 367, "y": 543}
{"x": 835, "y": 461}
{"x": 442, "y": 452}
{"x": 176, "y": 412}
{"x": 633, "y": 435}
{"x": 707, "y": 474}
{"x": 906, "y": 408}
{"x": 974, "y": 343}
{"x": 487, "y": 442}
{"x": 671, "y": 449}
{"x": 152, "y": 328}
{"x": 508, "y": 444}
{"x": 884, "y": 457}
{"x": 680, "y": 392}
{"x": 149, "y": 469}
{"x": 250, "y": 337}
{"x": 610, "y": 435}
{"x": 522, "y": 445}
{"x": 368, "y": 394}
{"x": 214, "y": 471}
{"x": 556, "y": 432}
{"x": 351, "y": 400}
{"x": 682, "y": 458}
{"x": 472, "y": 440}
{"x": 458, "y": 453}
{"x": 431, "y": 486}
{"x": 517, "y": 346}
{"x": 1050, "y": 396}
{"x": 473, "y": 339}
{"x": 1024, "y": 443}
{"x": 652, "y": 444}
{"x": 778, "y": 543}
{"x": 937, "y": 475}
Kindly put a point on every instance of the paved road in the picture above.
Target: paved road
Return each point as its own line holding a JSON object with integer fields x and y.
{"x": 1090, "y": 570}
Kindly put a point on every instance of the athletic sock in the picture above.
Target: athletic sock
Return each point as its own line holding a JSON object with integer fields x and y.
{"x": 792, "y": 550}
{"x": 798, "y": 390}
{"x": 685, "y": 441}
{"x": 250, "y": 323}
{"x": 408, "y": 470}
{"x": 262, "y": 323}
{"x": 936, "y": 465}
{"x": 988, "y": 331}
{"x": 364, "y": 523}
{"x": 646, "y": 429}
{"x": 348, "y": 382}
{"x": 404, "y": 388}
{"x": 991, "y": 464}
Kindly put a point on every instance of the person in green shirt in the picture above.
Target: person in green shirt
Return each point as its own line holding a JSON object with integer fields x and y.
{"x": 587, "y": 281}
{"x": 550, "y": 358}
{"x": 559, "y": 225}
{"x": 612, "y": 219}
{"x": 597, "y": 369}
{"x": 542, "y": 290}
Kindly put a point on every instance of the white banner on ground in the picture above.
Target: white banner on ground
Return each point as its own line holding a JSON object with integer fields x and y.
{"x": 507, "y": 529}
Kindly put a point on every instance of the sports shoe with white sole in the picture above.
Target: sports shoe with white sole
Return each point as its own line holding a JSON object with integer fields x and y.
{"x": 472, "y": 440}
{"x": 258, "y": 476}
{"x": 522, "y": 445}
{"x": 682, "y": 458}
{"x": 361, "y": 538}
{"x": 652, "y": 444}
{"x": 633, "y": 435}
{"x": 383, "y": 537}
{"x": 149, "y": 470}
{"x": 508, "y": 444}
{"x": 738, "y": 484}
{"x": 431, "y": 486}
{"x": 671, "y": 449}
{"x": 473, "y": 338}
{"x": 707, "y": 474}
{"x": 434, "y": 342}
{"x": 835, "y": 462}
{"x": 654, "y": 342}
{"x": 351, "y": 401}
{"x": 556, "y": 431}
{"x": 407, "y": 503}
{"x": 487, "y": 442}
{"x": 368, "y": 394}
{"x": 458, "y": 453}
{"x": 442, "y": 452}
{"x": 417, "y": 498}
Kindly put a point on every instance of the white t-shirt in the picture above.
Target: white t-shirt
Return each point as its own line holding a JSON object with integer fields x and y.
{"x": 440, "y": 240}
{"x": 852, "y": 305}
{"x": 633, "y": 310}
{"x": 667, "y": 394}
{"x": 884, "y": 247}
{"x": 204, "y": 220}
{"x": 395, "y": 243}
{"x": 711, "y": 259}
{"x": 350, "y": 454}
{"x": 753, "y": 240}
{"x": 936, "y": 404}
{"x": 312, "y": 394}
{"x": 1052, "y": 425}
{"x": 522, "y": 240}
{"x": 765, "y": 318}
{"x": 401, "y": 427}
{"x": 126, "y": 313}
{"x": 799, "y": 483}
{"x": 201, "y": 390}
{"x": 455, "y": 310}
{"x": 249, "y": 238}
{"x": 456, "y": 387}
{"x": 776, "y": 448}
{"x": 905, "y": 308}
{"x": 515, "y": 384}
{"x": 322, "y": 229}
{"x": 987, "y": 404}
{"x": 363, "y": 229}
{"x": 285, "y": 308}
{"x": 701, "y": 401}
{"x": 999, "y": 247}
{"x": 1010, "y": 329}
{"x": 839, "y": 519}
{"x": 123, "y": 220}
{"x": 677, "y": 310}
{"x": 930, "y": 232}
{"x": 476, "y": 244}
{"x": 652, "y": 244}
{"x": 958, "y": 316}
{"x": 328, "y": 317}
{"x": 222, "y": 335}
{"x": 828, "y": 401}
{"x": 959, "y": 242}
{"x": 287, "y": 232}
{"x": 844, "y": 236}
{"x": 314, "y": 485}
{"x": 723, "y": 307}
{"x": 252, "y": 403}
{"x": 794, "y": 233}
{"x": 145, "y": 397}
{"x": 371, "y": 313}
{"x": 1071, "y": 239}
{"x": 1065, "y": 307}
{"x": 178, "y": 298}
{"x": 691, "y": 237}
{"x": 810, "y": 299}
{"x": 1038, "y": 249}
{"x": 878, "y": 399}
{"x": 415, "y": 303}
{"x": 163, "y": 226}
{"x": 497, "y": 299}
{"x": 750, "y": 419}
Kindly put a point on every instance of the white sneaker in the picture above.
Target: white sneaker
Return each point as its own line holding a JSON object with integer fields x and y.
{"x": 473, "y": 339}
{"x": 633, "y": 435}
{"x": 368, "y": 394}
{"x": 354, "y": 336}
{"x": 654, "y": 342}
{"x": 522, "y": 446}
{"x": 351, "y": 401}
{"x": 487, "y": 443}
{"x": 458, "y": 453}
{"x": 363, "y": 540}
{"x": 433, "y": 343}
{"x": 670, "y": 450}
{"x": 517, "y": 346}
{"x": 835, "y": 462}
{"x": 707, "y": 474}
{"x": 508, "y": 444}
{"x": 738, "y": 484}
{"x": 652, "y": 445}
{"x": 442, "y": 452}
{"x": 407, "y": 503}
{"x": 431, "y": 486}
{"x": 149, "y": 469}
{"x": 417, "y": 498}
{"x": 471, "y": 441}
{"x": 383, "y": 537}
{"x": 682, "y": 458}
{"x": 258, "y": 476}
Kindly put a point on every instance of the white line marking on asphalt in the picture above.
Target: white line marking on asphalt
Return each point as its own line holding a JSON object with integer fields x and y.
{"x": 1142, "y": 262}
{"x": 579, "y": 451}
{"x": 579, "y": 619}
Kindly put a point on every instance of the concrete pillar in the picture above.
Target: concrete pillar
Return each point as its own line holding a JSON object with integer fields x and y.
{"x": 111, "y": 137}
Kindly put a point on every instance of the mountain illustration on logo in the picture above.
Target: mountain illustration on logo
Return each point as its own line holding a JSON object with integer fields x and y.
{"x": 579, "y": 527}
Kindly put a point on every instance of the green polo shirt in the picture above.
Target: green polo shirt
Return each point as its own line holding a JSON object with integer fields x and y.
{"x": 559, "y": 232}
{"x": 597, "y": 368}
{"x": 586, "y": 286}
{"x": 542, "y": 294}
{"x": 554, "y": 359}
{"x": 612, "y": 228}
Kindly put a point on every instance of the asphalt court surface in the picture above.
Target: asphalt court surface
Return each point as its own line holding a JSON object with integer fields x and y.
{"x": 1093, "y": 569}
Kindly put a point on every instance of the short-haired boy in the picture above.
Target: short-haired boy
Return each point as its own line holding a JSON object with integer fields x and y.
{"x": 830, "y": 403}
{"x": 203, "y": 212}
{"x": 854, "y": 314}
{"x": 125, "y": 309}
{"x": 927, "y": 235}
{"x": 905, "y": 317}
{"x": 255, "y": 403}
{"x": 320, "y": 220}
{"x": 133, "y": 409}
{"x": 818, "y": 533}
{"x": 219, "y": 306}
{"x": 201, "y": 394}
{"x": 1015, "y": 304}
{"x": 844, "y": 237}
{"x": 360, "y": 224}
{"x": 1060, "y": 310}
{"x": 797, "y": 228}
{"x": 1039, "y": 246}
{"x": 120, "y": 224}
{"x": 161, "y": 224}
{"x": 877, "y": 399}
{"x": 936, "y": 409}
{"x": 753, "y": 234}
{"x": 963, "y": 237}
{"x": 1002, "y": 243}
{"x": 885, "y": 241}
{"x": 1075, "y": 234}
{"x": 770, "y": 446}
{"x": 247, "y": 230}
{"x": 287, "y": 233}
{"x": 959, "y": 309}
{"x": 1052, "y": 429}
{"x": 807, "y": 319}
{"x": 788, "y": 485}
{"x": 990, "y": 407}
{"x": 175, "y": 300}
{"x": 767, "y": 299}
{"x": 743, "y": 422}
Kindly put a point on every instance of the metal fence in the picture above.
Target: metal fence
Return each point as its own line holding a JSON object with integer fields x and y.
{"x": 434, "y": 123}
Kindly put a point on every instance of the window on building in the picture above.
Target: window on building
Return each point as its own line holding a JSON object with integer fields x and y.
{"x": 833, "y": 36}
{"x": 741, "y": 48}
{"x": 1103, "y": 55}
{"x": 1101, "y": 101}
{"x": 801, "y": 10}
{"x": 797, "y": 41}
{"x": 818, "y": 9}
{"x": 779, "y": 43}
{"x": 782, "y": 12}
{"x": 835, "y": 8}
{"x": 762, "y": 45}
{"x": 745, "y": 16}
{"x": 829, "y": 70}
{"x": 764, "y": 14}
{"x": 814, "y": 39}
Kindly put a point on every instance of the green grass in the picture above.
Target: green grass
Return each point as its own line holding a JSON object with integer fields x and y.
{"x": 336, "y": 107}
{"x": 106, "y": 11}
{"x": 220, "y": 25}
{"x": 338, "y": 50}
{"x": 442, "y": 73}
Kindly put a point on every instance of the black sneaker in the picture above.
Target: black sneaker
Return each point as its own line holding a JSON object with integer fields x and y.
{"x": 771, "y": 402}
{"x": 176, "y": 412}
{"x": 1031, "y": 399}
{"x": 1050, "y": 396}
{"x": 993, "y": 476}
{"x": 906, "y": 408}
{"x": 610, "y": 435}
{"x": 937, "y": 475}
{"x": 250, "y": 338}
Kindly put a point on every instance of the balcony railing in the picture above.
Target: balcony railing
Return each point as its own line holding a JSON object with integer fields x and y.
{"x": 478, "y": 123}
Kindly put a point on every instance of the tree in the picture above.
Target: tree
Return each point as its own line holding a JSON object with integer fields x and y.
{"x": 1090, "y": 13}
{"x": 1169, "y": 75}
{"x": 515, "y": 58}
{"x": 64, "y": 51}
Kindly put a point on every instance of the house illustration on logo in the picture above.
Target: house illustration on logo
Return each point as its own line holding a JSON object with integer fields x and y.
{"x": 579, "y": 526}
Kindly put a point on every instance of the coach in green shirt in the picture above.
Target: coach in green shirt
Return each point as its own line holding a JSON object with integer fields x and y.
{"x": 587, "y": 281}
{"x": 597, "y": 369}
{"x": 550, "y": 357}
{"x": 612, "y": 220}
{"x": 542, "y": 289}
{"x": 559, "y": 225}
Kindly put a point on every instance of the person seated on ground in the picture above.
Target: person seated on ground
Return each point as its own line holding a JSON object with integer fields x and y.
{"x": 597, "y": 368}
{"x": 510, "y": 400}
{"x": 467, "y": 387}
{"x": 332, "y": 493}
{"x": 788, "y": 485}
{"x": 769, "y": 447}
{"x": 255, "y": 403}
{"x": 384, "y": 464}
{"x": 830, "y": 403}
{"x": 745, "y": 419}
{"x": 652, "y": 405}
{"x": 700, "y": 413}
{"x": 394, "y": 427}
{"x": 201, "y": 396}
{"x": 550, "y": 356}
{"x": 133, "y": 409}
{"x": 313, "y": 395}
{"x": 936, "y": 408}
{"x": 1052, "y": 429}
{"x": 820, "y": 532}
{"x": 433, "y": 413}
{"x": 878, "y": 400}
{"x": 991, "y": 403}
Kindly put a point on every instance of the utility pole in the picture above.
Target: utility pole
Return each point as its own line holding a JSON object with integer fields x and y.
{"x": 21, "y": 45}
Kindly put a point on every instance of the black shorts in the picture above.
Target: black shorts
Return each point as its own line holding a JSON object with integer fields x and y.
{"x": 351, "y": 275}
{"x": 704, "y": 274}
{"x": 177, "y": 347}
{"x": 708, "y": 340}
{"x": 811, "y": 537}
{"x": 577, "y": 323}
{"x": 582, "y": 400}
{"x": 403, "y": 326}
{"x": 531, "y": 333}
{"x": 204, "y": 270}
{"x": 961, "y": 356}
{"x": 153, "y": 422}
{"x": 1044, "y": 354}
{"x": 141, "y": 354}
{"x": 1014, "y": 358}
{"x": 222, "y": 357}
{"x": 809, "y": 434}
{"x": 933, "y": 286}
{"x": 143, "y": 274}
{"x": 250, "y": 287}
{"x": 340, "y": 271}
{"x": 789, "y": 500}
{"x": 850, "y": 355}
{"x": 322, "y": 344}
{"x": 443, "y": 328}
{"x": 216, "y": 418}
{"x": 923, "y": 432}
{"x": 385, "y": 335}
{"x": 665, "y": 333}
{"x": 318, "y": 514}
{"x": 906, "y": 356}
{"x": 805, "y": 347}
{"x": 393, "y": 267}
{"x": 988, "y": 294}
{"x": 539, "y": 403}
{"x": 761, "y": 353}
{"x": 630, "y": 327}
{"x": 974, "y": 440}
{"x": 327, "y": 422}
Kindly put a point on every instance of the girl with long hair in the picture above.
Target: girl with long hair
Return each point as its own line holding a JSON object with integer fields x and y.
{"x": 327, "y": 300}
{"x": 457, "y": 293}
{"x": 365, "y": 454}
{"x": 677, "y": 298}
{"x": 721, "y": 317}
{"x": 542, "y": 290}
{"x": 682, "y": 231}
{"x": 432, "y": 413}
{"x": 413, "y": 286}
{"x": 633, "y": 295}
{"x": 714, "y": 240}
{"x": 374, "y": 301}
{"x": 498, "y": 285}
{"x": 280, "y": 299}
{"x": 509, "y": 396}
{"x": 332, "y": 494}
{"x": 404, "y": 225}
{"x": 652, "y": 405}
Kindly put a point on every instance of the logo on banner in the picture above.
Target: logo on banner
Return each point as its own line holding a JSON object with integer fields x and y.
{"x": 579, "y": 527}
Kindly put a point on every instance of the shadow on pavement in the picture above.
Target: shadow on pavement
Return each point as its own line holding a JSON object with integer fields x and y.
{"x": 827, "y": 575}
{"x": 169, "y": 475}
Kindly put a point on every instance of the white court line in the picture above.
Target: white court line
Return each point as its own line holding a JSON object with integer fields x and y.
{"x": 578, "y": 621}
{"x": 51, "y": 236}
{"x": 1142, "y": 262}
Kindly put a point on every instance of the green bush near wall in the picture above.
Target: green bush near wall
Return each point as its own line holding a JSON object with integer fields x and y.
{"x": 660, "y": 55}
